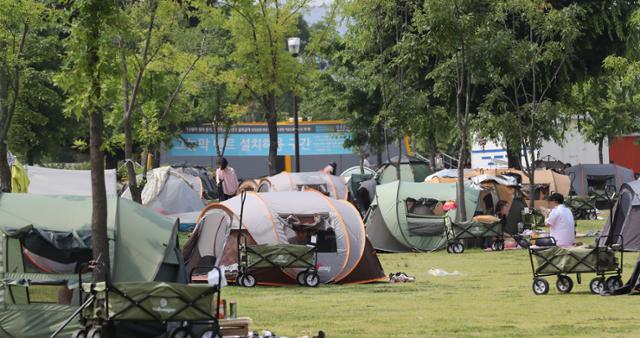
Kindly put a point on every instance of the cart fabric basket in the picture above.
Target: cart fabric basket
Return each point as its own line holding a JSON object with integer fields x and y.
{"x": 476, "y": 229}
{"x": 151, "y": 301}
{"x": 280, "y": 255}
{"x": 586, "y": 258}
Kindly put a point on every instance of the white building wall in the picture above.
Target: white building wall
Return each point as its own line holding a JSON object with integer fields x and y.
{"x": 575, "y": 149}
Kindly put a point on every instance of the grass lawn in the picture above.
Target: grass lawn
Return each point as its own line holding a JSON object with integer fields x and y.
{"x": 492, "y": 298}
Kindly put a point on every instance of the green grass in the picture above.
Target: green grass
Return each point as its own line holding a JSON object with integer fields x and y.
{"x": 492, "y": 298}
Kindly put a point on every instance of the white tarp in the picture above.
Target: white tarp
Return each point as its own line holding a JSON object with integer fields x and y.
{"x": 47, "y": 181}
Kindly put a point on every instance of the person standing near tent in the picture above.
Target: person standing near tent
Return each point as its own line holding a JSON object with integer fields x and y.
{"x": 330, "y": 169}
{"x": 226, "y": 180}
{"x": 560, "y": 221}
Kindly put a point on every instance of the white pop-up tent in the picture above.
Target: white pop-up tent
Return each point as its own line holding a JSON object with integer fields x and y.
{"x": 47, "y": 181}
{"x": 344, "y": 253}
{"x": 333, "y": 186}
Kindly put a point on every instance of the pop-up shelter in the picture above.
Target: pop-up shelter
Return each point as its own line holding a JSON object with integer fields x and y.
{"x": 392, "y": 227}
{"x": 44, "y": 240}
{"x": 587, "y": 177}
{"x": 624, "y": 219}
{"x": 330, "y": 185}
{"x": 343, "y": 252}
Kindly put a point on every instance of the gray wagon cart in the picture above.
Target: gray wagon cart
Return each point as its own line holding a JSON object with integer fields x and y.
{"x": 283, "y": 256}
{"x": 560, "y": 262}
{"x": 474, "y": 229}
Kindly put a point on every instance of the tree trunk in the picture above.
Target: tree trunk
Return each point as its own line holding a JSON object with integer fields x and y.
{"x": 272, "y": 126}
{"x": 399, "y": 160}
{"x": 129, "y": 163}
{"x": 99, "y": 238}
{"x": 433, "y": 150}
{"x": 513, "y": 154}
{"x": 600, "y": 144}
{"x": 462, "y": 207}
{"x": 5, "y": 170}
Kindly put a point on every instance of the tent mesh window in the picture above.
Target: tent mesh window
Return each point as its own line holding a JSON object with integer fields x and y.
{"x": 326, "y": 241}
{"x": 424, "y": 217}
{"x": 600, "y": 182}
{"x": 318, "y": 187}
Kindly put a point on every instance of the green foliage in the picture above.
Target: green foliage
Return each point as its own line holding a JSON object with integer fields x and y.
{"x": 607, "y": 105}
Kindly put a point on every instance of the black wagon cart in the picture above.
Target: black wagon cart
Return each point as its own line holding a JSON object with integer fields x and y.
{"x": 605, "y": 261}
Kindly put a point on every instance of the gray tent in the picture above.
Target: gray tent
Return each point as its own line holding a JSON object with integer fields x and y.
{"x": 624, "y": 219}
{"x": 586, "y": 177}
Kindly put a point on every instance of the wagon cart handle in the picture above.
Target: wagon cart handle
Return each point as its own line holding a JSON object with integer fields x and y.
{"x": 74, "y": 315}
{"x": 243, "y": 198}
{"x": 619, "y": 236}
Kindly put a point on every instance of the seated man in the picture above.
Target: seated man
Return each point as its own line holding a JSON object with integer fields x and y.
{"x": 560, "y": 221}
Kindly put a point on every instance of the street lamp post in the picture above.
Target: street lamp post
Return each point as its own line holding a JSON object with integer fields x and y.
{"x": 294, "y": 48}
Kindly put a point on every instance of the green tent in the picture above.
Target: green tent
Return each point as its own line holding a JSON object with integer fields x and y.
{"x": 411, "y": 170}
{"x": 393, "y": 227}
{"x": 44, "y": 238}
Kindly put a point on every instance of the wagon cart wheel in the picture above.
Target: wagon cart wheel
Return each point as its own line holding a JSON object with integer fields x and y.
{"x": 180, "y": 332}
{"x": 540, "y": 286}
{"x": 450, "y": 248}
{"x": 300, "y": 277}
{"x": 94, "y": 332}
{"x": 248, "y": 281}
{"x": 597, "y": 285}
{"x": 311, "y": 279}
{"x": 614, "y": 282}
{"x": 239, "y": 279}
{"x": 210, "y": 333}
{"x": 458, "y": 248}
{"x": 79, "y": 333}
{"x": 501, "y": 245}
{"x": 494, "y": 246}
{"x": 564, "y": 284}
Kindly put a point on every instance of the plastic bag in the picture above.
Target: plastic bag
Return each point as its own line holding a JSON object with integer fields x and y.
{"x": 214, "y": 276}
{"x": 441, "y": 272}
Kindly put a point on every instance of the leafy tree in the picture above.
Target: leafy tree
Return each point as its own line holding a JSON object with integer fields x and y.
{"x": 456, "y": 33}
{"x": 608, "y": 105}
{"x": 528, "y": 57}
{"x": 263, "y": 65}
{"x": 18, "y": 22}
{"x": 87, "y": 64}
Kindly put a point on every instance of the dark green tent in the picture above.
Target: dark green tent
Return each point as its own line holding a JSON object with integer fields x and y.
{"x": 411, "y": 170}
{"x": 44, "y": 238}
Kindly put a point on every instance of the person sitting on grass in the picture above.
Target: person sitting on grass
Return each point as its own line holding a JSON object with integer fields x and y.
{"x": 560, "y": 221}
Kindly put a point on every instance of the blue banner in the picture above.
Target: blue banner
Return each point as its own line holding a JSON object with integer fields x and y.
{"x": 248, "y": 144}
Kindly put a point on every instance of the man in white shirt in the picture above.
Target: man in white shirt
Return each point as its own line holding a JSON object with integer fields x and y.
{"x": 561, "y": 221}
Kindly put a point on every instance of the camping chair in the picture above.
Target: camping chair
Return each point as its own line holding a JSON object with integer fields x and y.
{"x": 554, "y": 261}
